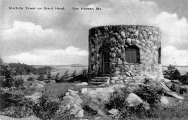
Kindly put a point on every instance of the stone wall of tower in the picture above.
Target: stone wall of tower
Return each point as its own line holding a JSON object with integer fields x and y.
{"x": 117, "y": 39}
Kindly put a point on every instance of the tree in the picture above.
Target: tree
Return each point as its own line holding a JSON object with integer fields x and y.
{"x": 1, "y": 66}
{"x": 1, "y": 61}
{"x": 9, "y": 81}
{"x": 57, "y": 77}
{"x": 74, "y": 74}
{"x": 49, "y": 76}
{"x": 66, "y": 75}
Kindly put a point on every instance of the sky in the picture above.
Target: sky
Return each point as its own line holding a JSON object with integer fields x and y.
{"x": 60, "y": 37}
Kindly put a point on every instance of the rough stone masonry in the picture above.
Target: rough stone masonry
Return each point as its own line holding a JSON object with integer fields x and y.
{"x": 125, "y": 52}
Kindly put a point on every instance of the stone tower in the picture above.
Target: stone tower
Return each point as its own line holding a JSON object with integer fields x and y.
{"x": 125, "y": 52}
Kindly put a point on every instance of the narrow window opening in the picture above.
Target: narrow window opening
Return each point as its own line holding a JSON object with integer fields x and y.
{"x": 159, "y": 55}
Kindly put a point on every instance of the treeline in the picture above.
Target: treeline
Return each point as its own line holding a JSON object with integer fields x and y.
{"x": 24, "y": 69}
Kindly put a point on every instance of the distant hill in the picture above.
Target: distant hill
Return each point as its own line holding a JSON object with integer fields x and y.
{"x": 71, "y": 65}
{"x": 78, "y": 65}
{"x": 24, "y": 69}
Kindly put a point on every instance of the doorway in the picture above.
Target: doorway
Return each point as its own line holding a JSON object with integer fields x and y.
{"x": 106, "y": 62}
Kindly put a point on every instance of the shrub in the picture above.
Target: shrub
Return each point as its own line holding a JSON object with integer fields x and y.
{"x": 118, "y": 101}
{"x": 66, "y": 75}
{"x": 171, "y": 73}
{"x": 184, "y": 79}
{"x": 57, "y": 77}
{"x": 151, "y": 94}
{"x": 89, "y": 111}
{"x": 14, "y": 104}
{"x": 7, "y": 79}
{"x": 80, "y": 78}
{"x": 30, "y": 79}
{"x": 85, "y": 72}
{"x": 41, "y": 77}
{"x": 19, "y": 83}
{"x": 62, "y": 78}
{"x": 10, "y": 97}
{"x": 23, "y": 109}
{"x": 148, "y": 94}
{"x": 65, "y": 115}
{"x": 2, "y": 81}
{"x": 16, "y": 82}
{"x": 83, "y": 77}
{"x": 49, "y": 75}
{"x": 45, "y": 108}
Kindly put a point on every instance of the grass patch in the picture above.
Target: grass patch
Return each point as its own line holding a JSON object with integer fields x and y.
{"x": 54, "y": 90}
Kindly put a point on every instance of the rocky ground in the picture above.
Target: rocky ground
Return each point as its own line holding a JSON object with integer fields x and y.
{"x": 86, "y": 102}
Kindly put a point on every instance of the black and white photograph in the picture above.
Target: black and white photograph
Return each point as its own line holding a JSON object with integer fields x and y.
{"x": 93, "y": 59}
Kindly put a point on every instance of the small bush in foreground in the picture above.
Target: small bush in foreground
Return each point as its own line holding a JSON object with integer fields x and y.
{"x": 8, "y": 99}
{"x": 14, "y": 104}
{"x": 118, "y": 101}
{"x": 63, "y": 115}
{"x": 45, "y": 108}
{"x": 23, "y": 109}
{"x": 148, "y": 94}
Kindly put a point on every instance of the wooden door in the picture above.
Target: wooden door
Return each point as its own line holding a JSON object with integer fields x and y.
{"x": 106, "y": 62}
